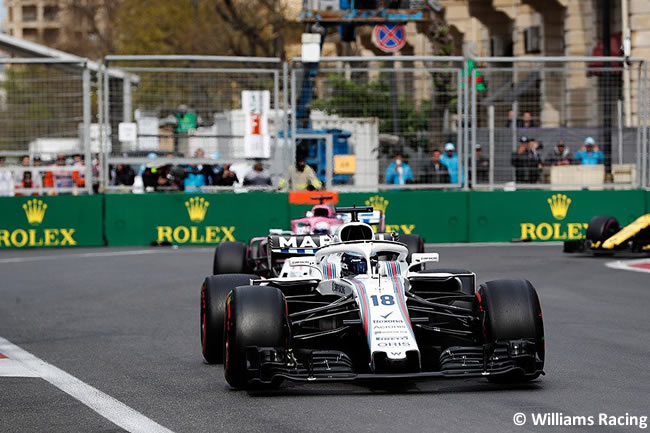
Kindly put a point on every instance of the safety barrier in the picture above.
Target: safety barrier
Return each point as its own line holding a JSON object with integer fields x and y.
{"x": 207, "y": 219}
{"x": 60, "y": 221}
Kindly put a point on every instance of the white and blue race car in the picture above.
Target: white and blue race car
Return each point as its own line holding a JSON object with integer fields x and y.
{"x": 355, "y": 309}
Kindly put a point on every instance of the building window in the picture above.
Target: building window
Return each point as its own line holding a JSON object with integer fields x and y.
{"x": 50, "y": 36}
{"x": 30, "y": 34}
{"x": 51, "y": 13}
{"x": 29, "y": 13}
{"x": 10, "y": 14}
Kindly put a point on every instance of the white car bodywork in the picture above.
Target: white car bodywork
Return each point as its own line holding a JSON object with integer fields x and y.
{"x": 380, "y": 293}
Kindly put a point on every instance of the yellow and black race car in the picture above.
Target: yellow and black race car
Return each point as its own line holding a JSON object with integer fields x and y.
{"x": 605, "y": 235}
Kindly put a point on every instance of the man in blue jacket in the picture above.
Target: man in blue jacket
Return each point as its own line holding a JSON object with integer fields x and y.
{"x": 589, "y": 154}
{"x": 450, "y": 159}
{"x": 398, "y": 172}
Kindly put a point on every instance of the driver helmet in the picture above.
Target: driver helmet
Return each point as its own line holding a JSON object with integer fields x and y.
{"x": 353, "y": 264}
{"x": 321, "y": 228}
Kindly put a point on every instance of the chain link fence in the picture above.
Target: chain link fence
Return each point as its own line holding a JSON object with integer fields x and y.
{"x": 45, "y": 115}
{"x": 168, "y": 123}
{"x": 188, "y": 121}
{"x": 559, "y": 123}
{"x": 390, "y": 113}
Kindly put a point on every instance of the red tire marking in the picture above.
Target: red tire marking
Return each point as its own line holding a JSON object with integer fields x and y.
{"x": 2, "y": 356}
{"x": 640, "y": 265}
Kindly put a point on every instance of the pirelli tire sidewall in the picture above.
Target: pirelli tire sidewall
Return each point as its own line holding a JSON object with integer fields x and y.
{"x": 214, "y": 291}
{"x": 601, "y": 227}
{"x": 512, "y": 312}
{"x": 256, "y": 316}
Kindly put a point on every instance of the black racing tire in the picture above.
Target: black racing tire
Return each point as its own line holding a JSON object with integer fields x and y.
{"x": 513, "y": 312}
{"x": 230, "y": 258}
{"x": 414, "y": 243}
{"x": 213, "y": 305}
{"x": 257, "y": 317}
{"x": 601, "y": 227}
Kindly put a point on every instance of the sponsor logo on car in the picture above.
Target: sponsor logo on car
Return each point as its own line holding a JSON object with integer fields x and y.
{"x": 559, "y": 205}
{"x": 35, "y": 211}
{"x": 197, "y": 209}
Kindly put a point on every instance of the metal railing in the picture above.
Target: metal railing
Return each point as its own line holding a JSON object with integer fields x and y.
{"x": 45, "y": 107}
{"x": 187, "y": 114}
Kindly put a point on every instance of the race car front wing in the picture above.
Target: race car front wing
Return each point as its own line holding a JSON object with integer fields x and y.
{"x": 266, "y": 364}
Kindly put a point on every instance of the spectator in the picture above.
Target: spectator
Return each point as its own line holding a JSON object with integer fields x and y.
{"x": 590, "y": 154}
{"x": 534, "y": 161}
{"x": 560, "y": 155}
{"x": 124, "y": 175}
{"x": 258, "y": 176}
{"x": 194, "y": 179}
{"x": 398, "y": 172}
{"x": 228, "y": 177}
{"x": 527, "y": 121}
{"x": 211, "y": 173}
{"x": 511, "y": 116}
{"x": 62, "y": 178}
{"x": 450, "y": 159}
{"x": 482, "y": 166}
{"x": 520, "y": 160}
{"x": 6, "y": 179}
{"x": 303, "y": 177}
{"x": 47, "y": 176}
{"x": 79, "y": 177}
{"x": 435, "y": 171}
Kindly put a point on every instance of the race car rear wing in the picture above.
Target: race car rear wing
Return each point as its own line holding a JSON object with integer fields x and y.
{"x": 293, "y": 245}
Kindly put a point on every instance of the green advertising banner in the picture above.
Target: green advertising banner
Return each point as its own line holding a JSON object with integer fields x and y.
{"x": 501, "y": 216}
{"x": 192, "y": 219}
{"x": 437, "y": 216}
{"x": 57, "y": 221}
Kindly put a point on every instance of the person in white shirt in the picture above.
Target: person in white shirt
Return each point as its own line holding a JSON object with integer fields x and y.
{"x": 6, "y": 180}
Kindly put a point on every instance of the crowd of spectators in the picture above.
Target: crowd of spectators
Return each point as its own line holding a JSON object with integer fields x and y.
{"x": 440, "y": 168}
{"x": 528, "y": 161}
{"x": 41, "y": 174}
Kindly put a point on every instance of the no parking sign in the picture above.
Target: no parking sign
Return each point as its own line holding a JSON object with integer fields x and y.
{"x": 389, "y": 37}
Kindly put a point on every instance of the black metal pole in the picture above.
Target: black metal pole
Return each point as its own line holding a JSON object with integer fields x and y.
{"x": 607, "y": 90}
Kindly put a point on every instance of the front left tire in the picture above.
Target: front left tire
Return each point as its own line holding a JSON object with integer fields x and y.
{"x": 214, "y": 291}
{"x": 256, "y": 316}
{"x": 513, "y": 312}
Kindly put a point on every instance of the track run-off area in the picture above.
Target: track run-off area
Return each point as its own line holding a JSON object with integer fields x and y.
{"x": 107, "y": 340}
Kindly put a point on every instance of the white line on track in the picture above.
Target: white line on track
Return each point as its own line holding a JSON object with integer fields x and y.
{"x": 627, "y": 265}
{"x": 113, "y": 410}
{"x": 83, "y": 255}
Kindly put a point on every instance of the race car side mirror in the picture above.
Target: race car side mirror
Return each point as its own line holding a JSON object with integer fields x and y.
{"x": 419, "y": 260}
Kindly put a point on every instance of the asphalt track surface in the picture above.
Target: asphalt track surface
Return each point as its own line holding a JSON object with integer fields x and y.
{"x": 126, "y": 322}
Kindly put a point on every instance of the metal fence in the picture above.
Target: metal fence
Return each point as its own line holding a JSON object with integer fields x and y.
{"x": 45, "y": 117}
{"x": 380, "y": 109}
{"x": 187, "y": 111}
{"x": 558, "y": 122}
{"x": 483, "y": 123}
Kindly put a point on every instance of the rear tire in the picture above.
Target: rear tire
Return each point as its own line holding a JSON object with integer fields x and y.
{"x": 414, "y": 243}
{"x": 256, "y": 317}
{"x": 230, "y": 258}
{"x": 513, "y": 312}
{"x": 213, "y": 301}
